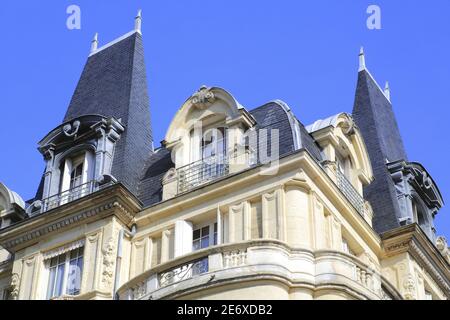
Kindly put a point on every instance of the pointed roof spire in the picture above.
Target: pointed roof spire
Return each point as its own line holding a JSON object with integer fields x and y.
{"x": 362, "y": 60}
{"x": 138, "y": 22}
{"x": 387, "y": 91}
{"x": 94, "y": 43}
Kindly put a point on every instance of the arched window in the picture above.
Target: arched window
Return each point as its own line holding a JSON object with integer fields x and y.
{"x": 76, "y": 176}
{"x": 344, "y": 165}
{"x": 77, "y": 172}
{"x": 419, "y": 215}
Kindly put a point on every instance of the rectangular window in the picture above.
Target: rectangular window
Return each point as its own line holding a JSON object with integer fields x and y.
{"x": 204, "y": 237}
{"x": 65, "y": 274}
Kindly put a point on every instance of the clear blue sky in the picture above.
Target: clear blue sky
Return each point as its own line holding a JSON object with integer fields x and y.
{"x": 303, "y": 52}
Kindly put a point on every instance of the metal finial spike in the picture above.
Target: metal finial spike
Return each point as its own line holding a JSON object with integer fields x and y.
{"x": 138, "y": 22}
{"x": 387, "y": 91}
{"x": 94, "y": 43}
{"x": 362, "y": 60}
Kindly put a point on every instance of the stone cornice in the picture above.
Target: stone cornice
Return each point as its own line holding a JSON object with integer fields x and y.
{"x": 115, "y": 200}
{"x": 300, "y": 159}
{"x": 411, "y": 239}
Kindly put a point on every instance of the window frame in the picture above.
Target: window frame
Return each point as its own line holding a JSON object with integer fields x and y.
{"x": 49, "y": 295}
{"x": 212, "y": 234}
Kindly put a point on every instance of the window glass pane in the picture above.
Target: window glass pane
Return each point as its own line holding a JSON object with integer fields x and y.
{"x": 205, "y": 231}
{"x": 57, "y": 284}
{"x": 74, "y": 276}
{"x": 215, "y": 233}
{"x": 53, "y": 262}
{"x": 51, "y": 282}
{"x": 196, "y": 234}
{"x": 73, "y": 254}
{"x": 205, "y": 242}
{"x": 196, "y": 245}
{"x": 59, "y": 280}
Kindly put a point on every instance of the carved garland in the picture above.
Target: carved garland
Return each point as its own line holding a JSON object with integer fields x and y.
{"x": 15, "y": 286}
{"x": 109, "y": 254}
{"x": 203, "y": 98}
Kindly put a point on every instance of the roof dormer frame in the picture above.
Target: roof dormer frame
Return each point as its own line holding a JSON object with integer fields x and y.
{"x": 341, "y": 132}
{"x": 206, "y": 102}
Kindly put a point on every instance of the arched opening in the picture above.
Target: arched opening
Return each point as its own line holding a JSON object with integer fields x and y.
{"x": 420, "y": 216}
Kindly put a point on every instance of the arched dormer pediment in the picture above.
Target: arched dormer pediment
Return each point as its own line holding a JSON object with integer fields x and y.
{"x": 420, "y": 180}
{"x": 342, "y": 133}
{"x": 79, "y": 129}
{"x": 12, "y": 206}
{"x": 9, "y": 200}
{"x": 207, "y": 105}
{"x": 78, "y": 155}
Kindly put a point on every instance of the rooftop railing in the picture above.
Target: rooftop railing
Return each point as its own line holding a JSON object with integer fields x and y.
{"x": 349, "y": 191}
{"x": 71, "y": 195}
{"x": 202, "y": 172}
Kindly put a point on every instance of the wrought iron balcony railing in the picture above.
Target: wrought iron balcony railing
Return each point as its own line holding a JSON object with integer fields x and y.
{"x": 350, "y": 192}
{"x": 71, "y": 195}
{"x": 201, "y": 172}
{"x": 184, "y": 272}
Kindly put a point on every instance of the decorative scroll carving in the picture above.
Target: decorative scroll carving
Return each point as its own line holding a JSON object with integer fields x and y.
{"x": 184, "y": 272}
{"x": 139, "y": 291}
{"x": 349, "y": 127}
{"x": 170, "y": 176}
{"x": 71, "y": 130}
{"x": 15, "y": 286}
{"x": 108, "y": 262}
{"x": 442, "y": 246}
{"x": 203, "y": 98}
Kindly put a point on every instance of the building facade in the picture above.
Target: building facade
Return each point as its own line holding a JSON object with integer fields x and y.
{"x": 234, "y": 204}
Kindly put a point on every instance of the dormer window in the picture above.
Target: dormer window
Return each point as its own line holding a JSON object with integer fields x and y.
{"x": 76, "y": 177}
{"x": 344, "y": 166}
{"x": 214, "y": 143}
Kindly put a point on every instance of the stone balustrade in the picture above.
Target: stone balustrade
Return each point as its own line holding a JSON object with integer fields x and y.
{"x": 254, "y": 259}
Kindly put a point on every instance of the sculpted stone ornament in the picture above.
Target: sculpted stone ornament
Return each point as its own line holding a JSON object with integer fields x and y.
{"x": 71, "y": 130}
{"x": 15, "y": 286}
{"x": 349, "y": 128}
{"x": 170, "y": 176}
{"x": 410, "y": 288}
{"x": 442, "y": 246}
{"x": 203, "y": 98}
{"x": 108, "y": 262}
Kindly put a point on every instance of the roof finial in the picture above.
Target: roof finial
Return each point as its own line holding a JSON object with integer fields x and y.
{"x": 94, "y": 43}
{"x": 362, "y": 60}
{"x": 138, "y": 22}
{"x": 387, "y": 91}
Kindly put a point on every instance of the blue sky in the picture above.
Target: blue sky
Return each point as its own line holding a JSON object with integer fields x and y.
{"x": 303, "y": 52}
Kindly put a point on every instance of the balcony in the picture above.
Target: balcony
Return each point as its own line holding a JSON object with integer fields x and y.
{"x": 252, "y": 261}
{"x": 202, "y": 172}
{"x": 71, "y": 195}
{"x": 352, "y": 195}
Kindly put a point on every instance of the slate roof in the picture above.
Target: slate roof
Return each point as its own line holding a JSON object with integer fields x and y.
{"x": 375, "y": 118}
{"x": 114, "y": 84}
{"x": 273, "y": 115}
